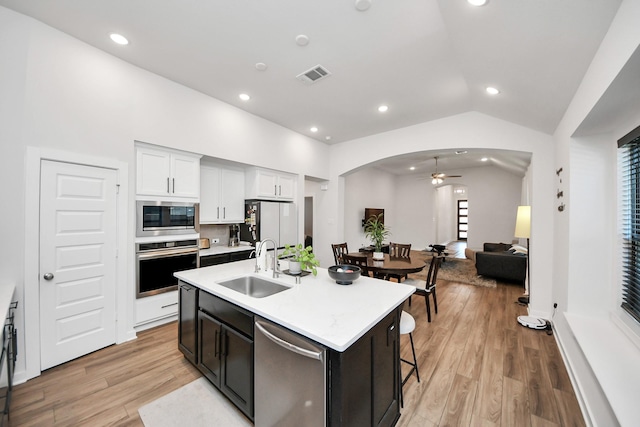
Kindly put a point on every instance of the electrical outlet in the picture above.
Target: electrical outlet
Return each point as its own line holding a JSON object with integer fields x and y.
{"x": 214, "y": 241}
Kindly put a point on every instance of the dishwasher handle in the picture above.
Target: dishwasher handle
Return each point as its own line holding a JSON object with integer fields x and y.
{"x": 288, "y": 346}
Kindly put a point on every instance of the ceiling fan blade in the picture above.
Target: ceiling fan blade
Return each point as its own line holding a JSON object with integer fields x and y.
{"x": 451, "y": 176}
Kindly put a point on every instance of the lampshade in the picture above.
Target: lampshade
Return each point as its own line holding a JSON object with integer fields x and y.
{"x": 523, "y": 222}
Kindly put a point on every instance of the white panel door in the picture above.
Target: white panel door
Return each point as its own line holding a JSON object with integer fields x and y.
{"x": 77, "y": 261}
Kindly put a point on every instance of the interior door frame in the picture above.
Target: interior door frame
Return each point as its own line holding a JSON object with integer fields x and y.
{"x": 124, "y": 269}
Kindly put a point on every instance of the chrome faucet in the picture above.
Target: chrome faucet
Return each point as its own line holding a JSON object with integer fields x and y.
{"x": 276, "y": 273}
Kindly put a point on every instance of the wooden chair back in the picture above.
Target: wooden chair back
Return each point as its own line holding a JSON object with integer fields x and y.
{"x": 432, "y": 274}
{"x": 399, "y": 250}
{"x": 357, "y": 260}
{"x": 339, "y": 250}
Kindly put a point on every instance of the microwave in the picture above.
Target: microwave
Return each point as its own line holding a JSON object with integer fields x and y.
{"x": 155, "y": 218}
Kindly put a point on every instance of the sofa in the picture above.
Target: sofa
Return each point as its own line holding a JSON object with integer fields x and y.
{"x": 500, "y": 261}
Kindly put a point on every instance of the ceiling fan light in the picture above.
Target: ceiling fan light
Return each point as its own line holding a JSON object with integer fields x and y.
{"x": 436, "y": 181}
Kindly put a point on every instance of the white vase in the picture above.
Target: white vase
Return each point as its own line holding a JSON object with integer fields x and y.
{"x": 294, "y": 267}
{"x": 378, "y": 255}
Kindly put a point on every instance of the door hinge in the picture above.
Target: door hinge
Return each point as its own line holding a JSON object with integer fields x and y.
{"x": 117, "y": 188}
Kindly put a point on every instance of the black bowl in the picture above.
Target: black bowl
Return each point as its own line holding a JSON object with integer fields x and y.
{"x": 346, "y": 276}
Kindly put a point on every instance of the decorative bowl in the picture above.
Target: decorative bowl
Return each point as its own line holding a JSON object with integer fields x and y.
{"x": 344, "y": 274}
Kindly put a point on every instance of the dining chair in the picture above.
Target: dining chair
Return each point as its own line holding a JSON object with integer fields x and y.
{"x": 428, "y": 287}
{"x": 407, "y": 326}
{"x": 339, "y": 250}
{"x": 357, "y": 260}
{"x": 399, "y": 250}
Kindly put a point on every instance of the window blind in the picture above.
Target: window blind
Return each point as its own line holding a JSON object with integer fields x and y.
{"x": 629, "y": 156}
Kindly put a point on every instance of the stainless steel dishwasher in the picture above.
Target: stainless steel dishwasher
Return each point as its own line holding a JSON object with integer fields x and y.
{"x": 290, "y": 378}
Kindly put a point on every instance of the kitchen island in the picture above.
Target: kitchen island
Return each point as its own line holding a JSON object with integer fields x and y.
{"x": 358, "y": 325}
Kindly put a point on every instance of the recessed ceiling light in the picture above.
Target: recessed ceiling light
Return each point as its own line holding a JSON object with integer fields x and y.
{"x": 383, "y": 108}
{"x": 363, "y": 5}
{"x": 461, "y": 152}
{"x": 328, "y": 137}
{"x": 492, "y": 90}
{"x": 412, "y": 168}
{"x": 261, "y": 66}
{"x": 118, "y": 38}
{"x": 484, "y": 159}
{"x": 244, "y": 97}
{"x": 314, "y": 129}
{"x": 302, "y": 40}
{"x": 477, "y": 2}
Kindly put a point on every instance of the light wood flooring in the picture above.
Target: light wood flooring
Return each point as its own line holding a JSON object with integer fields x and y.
{"x": 478, "y": 367}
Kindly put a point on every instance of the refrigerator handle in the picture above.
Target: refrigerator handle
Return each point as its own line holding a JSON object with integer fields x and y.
{"x": 288, "y": 346}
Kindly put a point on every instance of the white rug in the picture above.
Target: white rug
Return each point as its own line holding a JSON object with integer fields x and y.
{"x": 196, "y": 404}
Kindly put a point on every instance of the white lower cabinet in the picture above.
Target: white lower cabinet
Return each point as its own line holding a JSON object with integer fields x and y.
{"x": 156, "y": 307}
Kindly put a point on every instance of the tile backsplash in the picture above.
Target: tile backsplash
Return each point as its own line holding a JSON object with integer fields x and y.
{"x": 213, "y": 231}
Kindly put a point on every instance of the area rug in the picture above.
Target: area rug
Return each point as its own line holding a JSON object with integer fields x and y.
{"x": 457, "y": 270}
{"x": 196, "y": 404}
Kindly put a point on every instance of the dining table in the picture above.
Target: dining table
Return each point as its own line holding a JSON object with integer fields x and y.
{"x": 393, "y": 266}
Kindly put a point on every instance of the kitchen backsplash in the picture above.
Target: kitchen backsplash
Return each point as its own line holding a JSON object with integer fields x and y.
{"x": 213, "y": 231}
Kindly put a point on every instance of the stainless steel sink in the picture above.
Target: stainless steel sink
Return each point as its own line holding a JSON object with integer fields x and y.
{"x": 253, "y": 286}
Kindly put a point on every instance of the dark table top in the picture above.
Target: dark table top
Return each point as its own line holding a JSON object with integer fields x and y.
{"x": 394, "y": 265}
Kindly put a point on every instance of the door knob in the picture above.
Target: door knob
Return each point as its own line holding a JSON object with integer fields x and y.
{"x": 48, "y": 276}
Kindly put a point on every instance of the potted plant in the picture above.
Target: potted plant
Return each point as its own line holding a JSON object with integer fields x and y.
{"x": 375, "y": 230}
{"x": 300, "y": 258}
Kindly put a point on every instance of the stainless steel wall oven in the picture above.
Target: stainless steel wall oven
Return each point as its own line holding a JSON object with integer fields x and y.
{"x": 156, "y": 262}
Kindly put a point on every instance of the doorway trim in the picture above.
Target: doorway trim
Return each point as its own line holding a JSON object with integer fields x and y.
{"x": 31, "y": 292}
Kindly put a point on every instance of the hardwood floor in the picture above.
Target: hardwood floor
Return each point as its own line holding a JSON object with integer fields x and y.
{"x": 478, "y": 367}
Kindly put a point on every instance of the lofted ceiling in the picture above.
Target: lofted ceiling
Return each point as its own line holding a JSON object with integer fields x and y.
{"x": 424, "y": 59}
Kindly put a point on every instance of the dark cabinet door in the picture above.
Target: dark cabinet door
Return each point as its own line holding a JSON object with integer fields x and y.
{"x": 364, "y": 381}
{"x": 237, "y": 369}
{"x": 206, "y": 261}
{"x": 188, "y": 321}
{"x": 385, "y": 364}
{"x": 209, "y": 361}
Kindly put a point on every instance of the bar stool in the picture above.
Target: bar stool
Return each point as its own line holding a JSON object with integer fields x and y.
{"x": 407, "y": 326}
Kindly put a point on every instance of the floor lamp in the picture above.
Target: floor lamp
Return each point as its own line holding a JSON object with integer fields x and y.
{"x": 523, "y": 231}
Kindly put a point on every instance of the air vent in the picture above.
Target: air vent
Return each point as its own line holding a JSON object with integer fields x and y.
{"x": 314, "y": 74}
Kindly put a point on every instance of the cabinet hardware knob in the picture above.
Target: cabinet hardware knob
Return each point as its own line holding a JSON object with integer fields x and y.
{"x": 48, "y": 276}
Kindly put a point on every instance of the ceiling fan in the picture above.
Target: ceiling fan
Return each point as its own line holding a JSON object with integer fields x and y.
{"x": 438, "y": 177}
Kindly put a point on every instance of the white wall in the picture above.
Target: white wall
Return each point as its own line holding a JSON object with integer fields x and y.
{"x": 586, "y": 252}
{"x": 368, "y": 188}
{"x": 59, "y": 93}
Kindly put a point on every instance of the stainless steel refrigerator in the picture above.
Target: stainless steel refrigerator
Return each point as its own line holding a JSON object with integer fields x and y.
{"x": 270, "y": 220}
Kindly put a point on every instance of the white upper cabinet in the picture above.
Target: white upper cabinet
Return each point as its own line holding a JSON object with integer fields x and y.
{"x": 167, "y": 174}
{"x": 222, "y": 195}
{"x": 268, "y": 184}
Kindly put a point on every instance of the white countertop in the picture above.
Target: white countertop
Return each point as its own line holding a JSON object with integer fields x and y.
{"x": 216, "y": 250}
{"x": 318, "y": 308}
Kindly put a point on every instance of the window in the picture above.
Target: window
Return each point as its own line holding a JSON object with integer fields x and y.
{"x": 463, "y": 219}
{"x": 629, "y": 156}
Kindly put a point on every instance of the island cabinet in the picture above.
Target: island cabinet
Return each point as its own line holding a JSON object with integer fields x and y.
{"x": 225, "y": 349}
{"x": 187, "y": 321}
{"x": 364, "y": 385}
